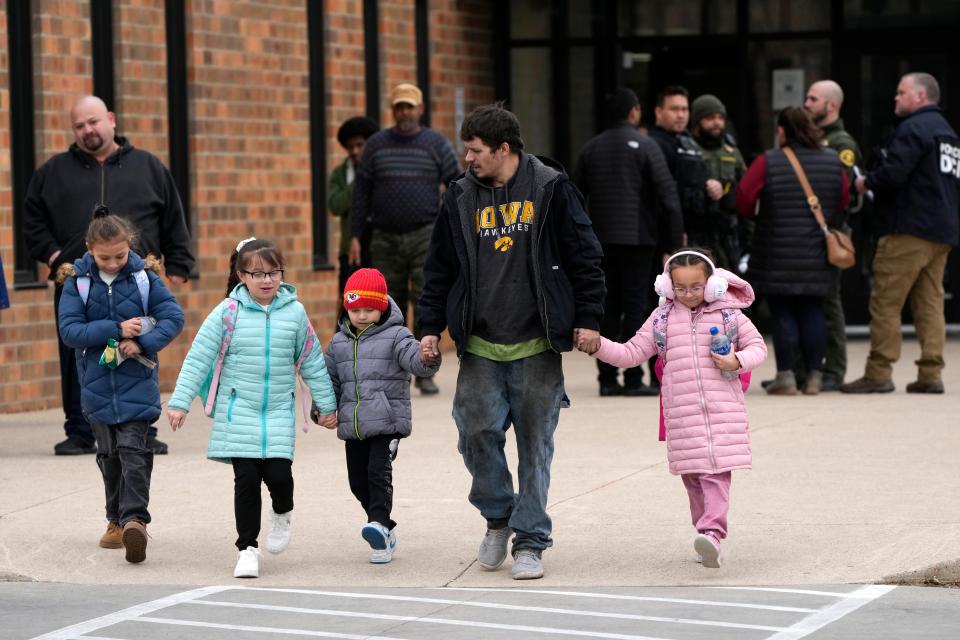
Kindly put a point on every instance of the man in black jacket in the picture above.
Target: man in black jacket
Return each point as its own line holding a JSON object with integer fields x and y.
{"x": 513, "y": 271}
{"x": 685, "y": 161}
{"x": 632, "y": 200}
{"x": 917, "y": 187}
{"x": 100, "y": 169}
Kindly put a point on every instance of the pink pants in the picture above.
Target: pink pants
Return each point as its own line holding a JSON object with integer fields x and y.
{"x": 709, "y": 495}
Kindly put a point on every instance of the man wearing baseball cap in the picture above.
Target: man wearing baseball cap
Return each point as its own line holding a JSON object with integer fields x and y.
{"x": 397, "y": 194}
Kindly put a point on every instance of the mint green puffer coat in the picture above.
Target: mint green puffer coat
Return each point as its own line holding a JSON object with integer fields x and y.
{"x": 255, "y": 414}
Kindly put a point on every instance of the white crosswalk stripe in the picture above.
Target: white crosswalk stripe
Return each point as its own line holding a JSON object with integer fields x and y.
{"x": 764, "y": 613}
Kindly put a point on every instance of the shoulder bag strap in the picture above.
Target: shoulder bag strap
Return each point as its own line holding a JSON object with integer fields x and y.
{"x": 812, "y": 199}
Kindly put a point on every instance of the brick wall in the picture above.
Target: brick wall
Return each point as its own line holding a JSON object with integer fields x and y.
{"x": 248, "y": 96}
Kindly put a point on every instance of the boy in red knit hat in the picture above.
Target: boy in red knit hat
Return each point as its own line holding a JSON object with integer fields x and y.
{"x": 370, "y": 360}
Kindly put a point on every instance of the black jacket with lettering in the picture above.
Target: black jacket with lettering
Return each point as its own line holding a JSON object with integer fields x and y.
{"x": 916, "y": 184}
{"x": 132, "y": 183}
{"x": 565, "y": 256}
{"x": 631, "y": 195}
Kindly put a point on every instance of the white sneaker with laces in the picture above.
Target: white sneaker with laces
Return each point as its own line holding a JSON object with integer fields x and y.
{"x": 383, "y": 556}
{"x": 248, "y": 563}
{"x": 280, "y": 530}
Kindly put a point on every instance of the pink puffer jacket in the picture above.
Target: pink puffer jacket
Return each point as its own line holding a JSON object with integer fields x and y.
{"x": 705, "y": 413}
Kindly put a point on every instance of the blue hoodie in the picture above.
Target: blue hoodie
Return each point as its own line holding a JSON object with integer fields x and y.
{"x": 131, "y": 392}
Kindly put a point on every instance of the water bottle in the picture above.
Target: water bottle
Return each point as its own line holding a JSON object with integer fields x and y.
{"x": 720, "y": 345}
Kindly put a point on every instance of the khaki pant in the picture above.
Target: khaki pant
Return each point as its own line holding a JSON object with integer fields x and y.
{"x": 905, "y": 265}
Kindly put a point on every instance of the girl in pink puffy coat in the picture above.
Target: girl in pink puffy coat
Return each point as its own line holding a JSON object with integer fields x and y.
{"x": 703, "y": 403}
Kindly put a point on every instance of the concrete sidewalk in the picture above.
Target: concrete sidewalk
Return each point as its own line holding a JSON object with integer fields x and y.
{"x": 844, "y": 489}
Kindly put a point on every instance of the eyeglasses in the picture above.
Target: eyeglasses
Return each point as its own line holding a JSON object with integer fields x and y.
{"x": 276, "y": 274}
{"x": 693, "y": 291}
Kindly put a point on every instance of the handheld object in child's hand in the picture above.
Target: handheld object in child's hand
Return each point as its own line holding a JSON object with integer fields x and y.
{"x": 112, "y": 358}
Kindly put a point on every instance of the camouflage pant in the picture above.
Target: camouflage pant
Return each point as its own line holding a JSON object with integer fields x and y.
{"x": 400, "y": 257}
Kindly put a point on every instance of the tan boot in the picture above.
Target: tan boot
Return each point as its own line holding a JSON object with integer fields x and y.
{"x": 112, "y": 537}
{"x": 135, "y": 541}
{"x": 785, "y": 384}
{"x": 814, "y": 383}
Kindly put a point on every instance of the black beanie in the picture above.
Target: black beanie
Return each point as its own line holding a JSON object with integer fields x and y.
{"x": 704, "y": 106}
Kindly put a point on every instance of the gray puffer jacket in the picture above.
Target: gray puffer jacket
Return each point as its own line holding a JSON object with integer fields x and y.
{"x": 371, "y": 376}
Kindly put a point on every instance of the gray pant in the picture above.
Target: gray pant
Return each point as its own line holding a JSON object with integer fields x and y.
{"x": 490, "y": 397}
{"x": 126, "y": 465}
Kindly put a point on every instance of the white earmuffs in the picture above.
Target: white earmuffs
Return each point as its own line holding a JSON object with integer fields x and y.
{"x": 715, "y": 288}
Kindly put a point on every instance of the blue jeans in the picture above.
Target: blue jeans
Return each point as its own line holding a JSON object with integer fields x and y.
{"x": 799, "y": 331}
{"x": 490, "y": 397}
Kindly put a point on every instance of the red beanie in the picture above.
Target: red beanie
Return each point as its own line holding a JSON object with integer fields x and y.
{"x": 366, "y": 288}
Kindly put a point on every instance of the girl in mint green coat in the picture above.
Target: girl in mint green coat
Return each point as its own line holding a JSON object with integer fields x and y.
{"x": 254, "y": 413}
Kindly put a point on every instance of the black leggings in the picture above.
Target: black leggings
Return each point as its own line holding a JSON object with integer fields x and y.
{"x": 248, "y": 473}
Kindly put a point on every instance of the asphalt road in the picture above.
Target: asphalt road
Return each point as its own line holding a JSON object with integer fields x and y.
{"x": 46, "y": 611}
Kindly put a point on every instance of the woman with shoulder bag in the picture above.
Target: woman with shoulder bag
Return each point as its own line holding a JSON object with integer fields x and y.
{"x": 789, "y": 265}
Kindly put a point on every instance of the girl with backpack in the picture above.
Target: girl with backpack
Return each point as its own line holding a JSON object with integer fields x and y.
{"x": 250, "y": 350}
{"x": 704, "y": 410}
{"x": 117, "y": 314}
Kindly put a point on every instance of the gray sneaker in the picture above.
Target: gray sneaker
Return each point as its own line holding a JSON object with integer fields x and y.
{"x": 526, "y": 565}
{"x": 493, "y": 549}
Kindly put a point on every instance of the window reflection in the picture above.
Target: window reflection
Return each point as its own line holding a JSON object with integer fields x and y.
{"x": 531, "y": 97}
{"x": 787, "y": 15}
{"x": 679, "y": 17}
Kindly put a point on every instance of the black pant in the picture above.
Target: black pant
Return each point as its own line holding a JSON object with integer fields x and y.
{"x": 248, "y": 473}
{"x": 627, "y": 273}
{"x": 370, "y": 470}
{"x": 126, "y": 465}
{"x": 75, "y": 425}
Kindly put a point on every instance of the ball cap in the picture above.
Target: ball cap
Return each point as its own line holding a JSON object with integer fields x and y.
{"x": 406, "y": 94}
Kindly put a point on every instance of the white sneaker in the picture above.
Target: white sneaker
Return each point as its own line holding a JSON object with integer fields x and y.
{"x": 280, "y": 528}
{"x": 376, "y": 535}
{"x": 383, "y": 556}
{"x": 248, "y": 563}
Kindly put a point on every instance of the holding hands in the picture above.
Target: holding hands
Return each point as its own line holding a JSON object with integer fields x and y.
{"x": 430, "y": 348}
{"x": 587, "y": 340}
{"x": 328, "y": 421}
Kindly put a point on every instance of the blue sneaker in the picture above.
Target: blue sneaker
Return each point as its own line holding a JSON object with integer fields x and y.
{"x": 383, "y": 556}
{"x": 375, "y": 534}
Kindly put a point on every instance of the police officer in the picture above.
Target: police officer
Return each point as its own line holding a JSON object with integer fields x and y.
{"x": 823, "y": 102}
{"x": 917, "y": 187}
{"x": 685, "y": 161}
{"x": 725, "y": 165}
